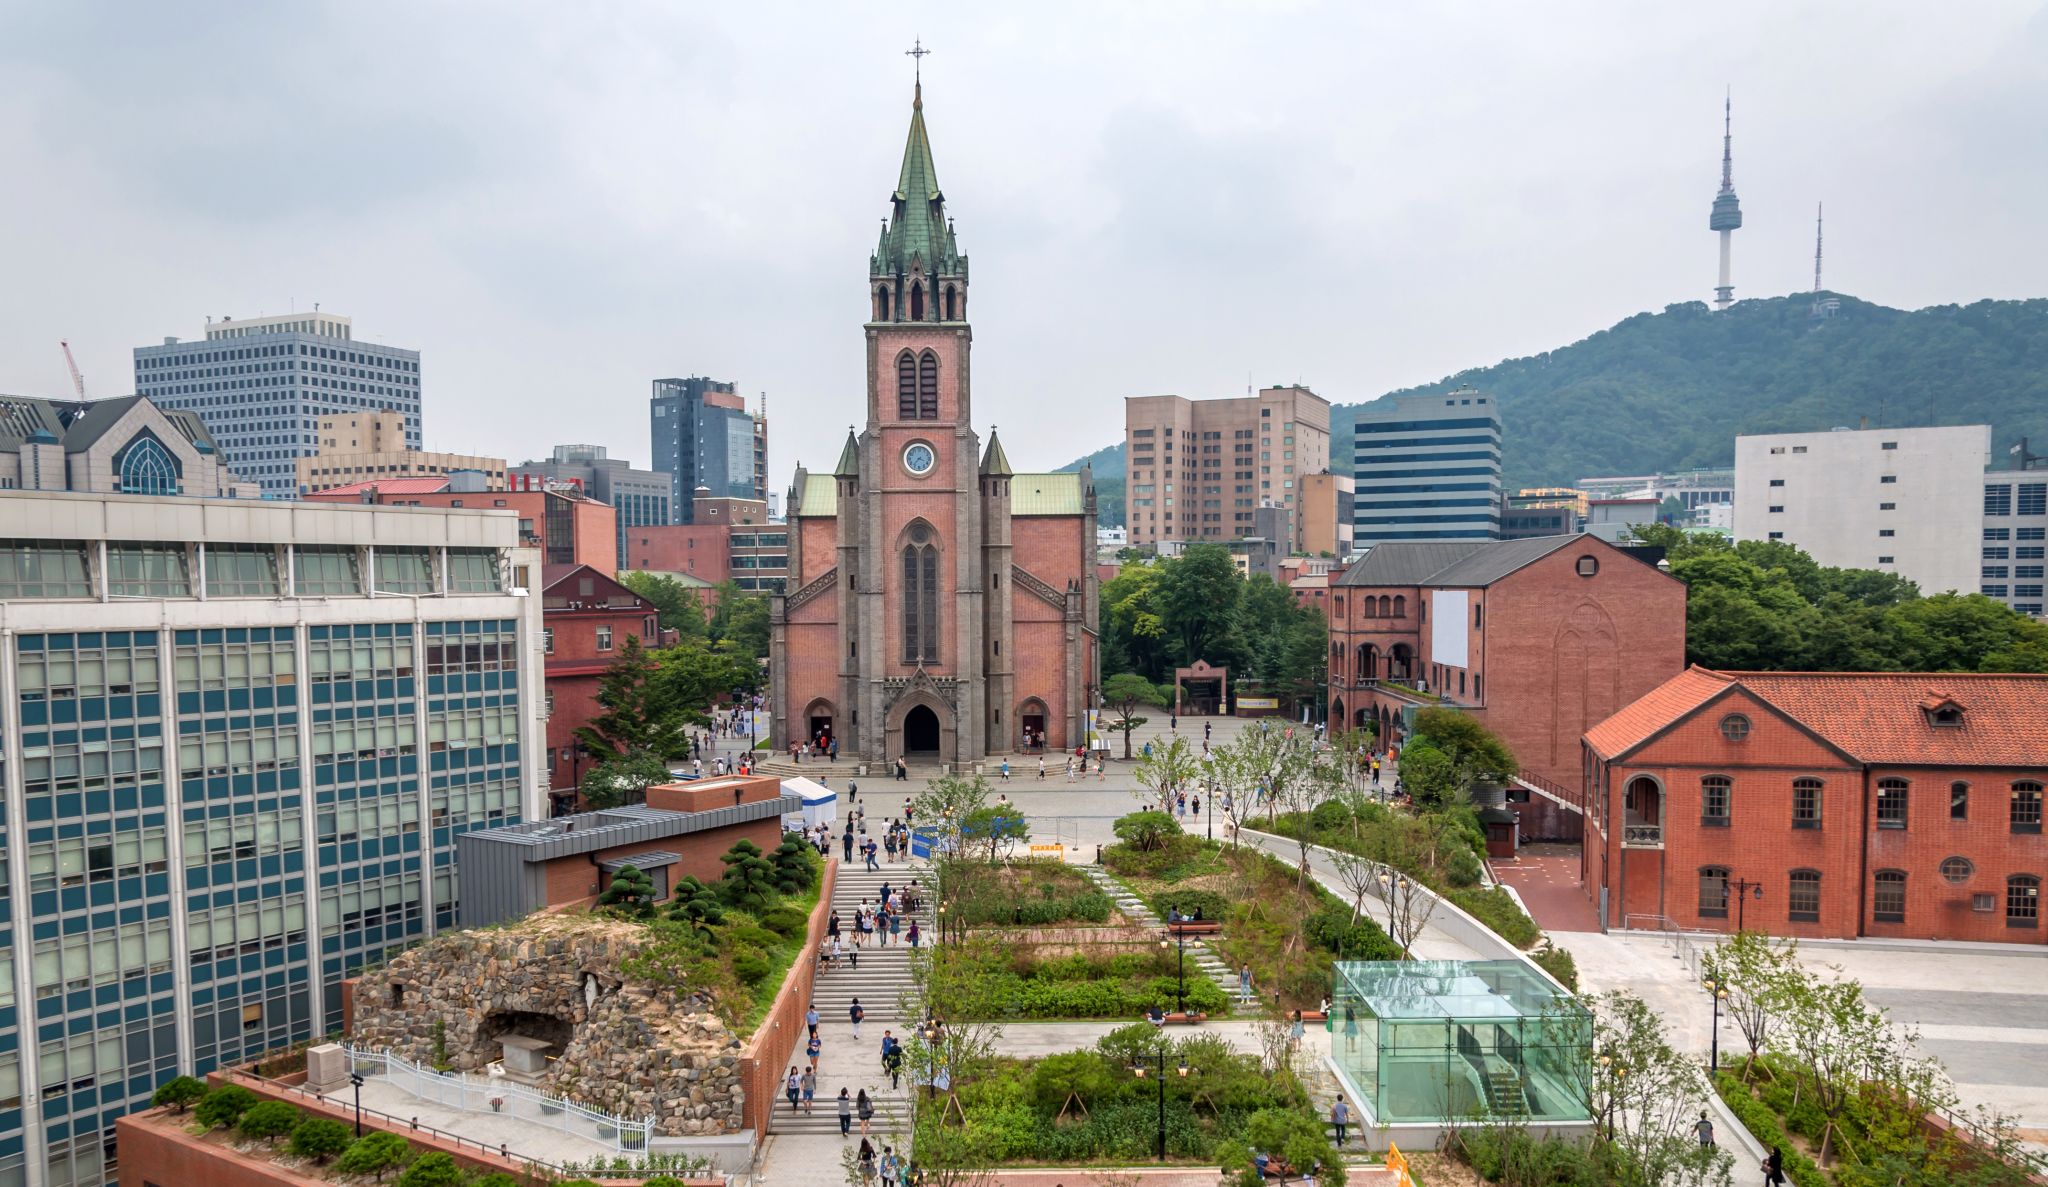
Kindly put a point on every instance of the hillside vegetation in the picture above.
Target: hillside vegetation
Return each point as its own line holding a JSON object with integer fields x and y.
{"x": 1671, "y": 390}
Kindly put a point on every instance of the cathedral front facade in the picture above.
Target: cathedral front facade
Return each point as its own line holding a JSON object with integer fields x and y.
{"x": 939, "y": 606}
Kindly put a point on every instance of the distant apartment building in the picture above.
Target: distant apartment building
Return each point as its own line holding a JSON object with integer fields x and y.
{"x": 126, "y": 445}
{"x": 1323, "y": 523}
{"x": 1427, "y": 468}
{"x": 262, "y": 385}
{"x": 370, "y": 445}
{"x": 567, "y": 527}
{"x": 703, "y": 436}
{"x": 642, "y": 497}
{"x": 730, "y": 540}
{"x": 239, "y": 741}
{"x": 1542, "y": 511}
{"x": 1693, "y": 489}
{"x": 1615, "y": 520}
{"x": 1199, "y": 470}
{"x": 2015, "y": 534}
{"x": 1908, "y": 501}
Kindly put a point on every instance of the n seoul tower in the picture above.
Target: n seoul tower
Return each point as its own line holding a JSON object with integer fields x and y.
{"x": 1727, "y": 212}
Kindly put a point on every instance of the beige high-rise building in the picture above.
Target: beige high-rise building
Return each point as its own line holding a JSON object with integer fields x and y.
{"x": 1323, "y": 525}
{"x": 1198, "y": 470}
{"x": 361, "y": 446}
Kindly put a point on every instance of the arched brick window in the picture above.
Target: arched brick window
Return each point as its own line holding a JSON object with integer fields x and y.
{"x": 906, "y": 386}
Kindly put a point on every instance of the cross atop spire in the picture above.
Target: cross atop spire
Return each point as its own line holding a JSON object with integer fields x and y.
{"x": 916, "y": 53}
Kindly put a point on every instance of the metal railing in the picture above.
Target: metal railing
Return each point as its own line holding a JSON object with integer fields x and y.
{"x": 1563, "y": 795}
{"x": 473, "y": 1094}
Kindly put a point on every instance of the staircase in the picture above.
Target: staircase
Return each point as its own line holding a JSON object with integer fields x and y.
{"x": 881, "y": 981}
{"x": 1140, "y": 913}
{"x": 1504, "y": 1095}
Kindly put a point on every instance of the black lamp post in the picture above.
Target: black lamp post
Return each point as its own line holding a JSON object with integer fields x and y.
{"x": 1139, "y": 1069}
{"x": 355, "y": 1079}
{"x": 1744, "y": 889}
{"x": 1180, "y": 941}
{"x": 931, "y": 1032}
{"x": 1719, "y": 992}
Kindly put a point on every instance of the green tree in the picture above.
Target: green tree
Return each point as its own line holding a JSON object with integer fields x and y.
{"x": 1166, "y": 767}
{"x": 637, "y": 717}
{"x": 623, "y": 780}
{"x": 268, "y": 1120}
{"x": 1475, "y": 753}
{"x": 694, "y": 675}
{"x": 679, "y": 609}
{"x": 1758, "y": 974}
{"x": 1125, "y": 693}
{"x": 794, "y": 871}
{"x": 1133, "y": 631}
{"x": 1428, "y": 775}
{"x": 1198, "y": 595}
{"x": 1146, "y": 831}
{"x": 947, "y": 803}
{"x": 696, "y": 904}
{"x": 1288, "y": 1134}
{"x": 373, "y": 1154}
{"x": 630, "y": 888}
{"x": 994, "y": 831}
{"x": 749, "y": 880}
{"x": 741, "y": 618}
{"x": 179, "y": 1093}
{"x": 319, "y": 1138}
{"x": 1653, "y": 1099}
{"x": 224, "y": 1106}
{"x": 433, "y": 1169}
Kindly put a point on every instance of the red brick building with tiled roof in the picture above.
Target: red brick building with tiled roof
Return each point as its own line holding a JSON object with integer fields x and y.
{"x": 1836, "y": 804}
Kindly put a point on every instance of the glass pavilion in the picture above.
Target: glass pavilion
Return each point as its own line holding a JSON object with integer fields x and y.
{"x": 1443, "y": 1040}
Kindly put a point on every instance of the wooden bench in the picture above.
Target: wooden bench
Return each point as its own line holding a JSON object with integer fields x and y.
{"x": 1308, "y": 1016}
{"x": 1194, "y": 927}
{"x": 1180, "y": 1019}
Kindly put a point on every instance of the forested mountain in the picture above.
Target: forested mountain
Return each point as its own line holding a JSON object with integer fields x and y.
{"x": 1109, "y": 483}
{"x": 1671, "y": 390}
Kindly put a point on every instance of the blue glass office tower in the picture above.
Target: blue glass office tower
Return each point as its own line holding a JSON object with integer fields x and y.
{"x": 703, "y": 436}
{"x": 1427, "y": 468}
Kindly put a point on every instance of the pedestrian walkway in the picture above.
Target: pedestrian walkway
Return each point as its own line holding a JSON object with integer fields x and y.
{"x": 1547, "y": 878}
{"x": 1139, "y": 912}
{"x": 881, "y": 979}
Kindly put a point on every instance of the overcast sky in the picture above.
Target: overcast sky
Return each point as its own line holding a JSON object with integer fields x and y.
{"x": 557, "y": 202}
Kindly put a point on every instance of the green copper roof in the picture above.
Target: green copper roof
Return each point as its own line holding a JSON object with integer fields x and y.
{"x": 995, "y": 462}
{"x": 917, "y": 228}
{"x": 849, "y": 459}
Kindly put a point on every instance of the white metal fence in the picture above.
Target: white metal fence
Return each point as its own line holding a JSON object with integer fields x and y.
{"x": 486, "y": 1094}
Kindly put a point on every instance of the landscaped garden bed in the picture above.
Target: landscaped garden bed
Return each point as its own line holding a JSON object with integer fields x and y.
{"x": 986, "y": 978}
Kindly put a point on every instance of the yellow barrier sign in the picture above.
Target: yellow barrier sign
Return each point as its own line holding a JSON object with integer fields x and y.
{"x": 1048, "y": 850}
{"x": 1398, "y": 1163}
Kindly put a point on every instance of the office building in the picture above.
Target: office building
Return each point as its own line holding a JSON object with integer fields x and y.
{"x": 126, "y": 445}
{"x": 704, "y": 437}
{"x": 2015, "y": 534}
{"x": 1427, "y": 468}
{"x": 1908, "y": 501}
{"x": 731, "y": 540}
{"x": 1830, "y": 805}
{"x": 364, "y": 446}
{"x": 1233, "y": 456}
{"x": 1542, "y": 511}
{"x": 1695, "y": 490}
{"x": 239, "y": 739}
{"x": 262, "y": 385}
{"x": 642, "y": 497}
{"x": 1323, "y": 520}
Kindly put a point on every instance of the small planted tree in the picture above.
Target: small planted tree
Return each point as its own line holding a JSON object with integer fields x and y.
{"x": 268, "y": 1121}
{"x": 793, "y": 870}
{"x": 749, "y": 880}
{"x": 623, "y": 780}
{"x": 630, "y": 889}
{"x": 319, "y": 1138}
{"x": 373, "y": 1154}
{"x": 1167, "y": 767}
{"x": 432, "y": 1169}
{"x": 179, "y": 1094}
{"x": 1125, "y": 693}
{"x": 224, "y": 1106}
{"x": 1146, "y": 831}
{"x": 1758, "y": 974}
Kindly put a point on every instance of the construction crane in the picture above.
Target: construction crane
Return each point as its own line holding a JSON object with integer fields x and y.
{"x": 77, "y": 380}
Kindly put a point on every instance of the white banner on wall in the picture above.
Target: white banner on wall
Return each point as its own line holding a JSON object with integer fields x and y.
{"x": 1450, "y": 626}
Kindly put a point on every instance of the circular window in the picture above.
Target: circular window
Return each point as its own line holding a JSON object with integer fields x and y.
{"x": 1957, "y": 870}
{"x": 1735, "y": 727}
{"x": 919, "y": 534}
{"x": 919, "y": 459}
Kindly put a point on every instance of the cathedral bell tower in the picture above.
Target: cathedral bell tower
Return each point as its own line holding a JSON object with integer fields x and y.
{"x": 919, "y": 614}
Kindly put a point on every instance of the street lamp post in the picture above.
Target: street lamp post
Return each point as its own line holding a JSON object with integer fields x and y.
{"x": 1719, "y": 992}
{"x": 1181, "y": 1000}
{"x": 1139, "y": 1070}
{"x": 931, "y": 1032}
{"x": 1744, "y": 889}
{"x": 355, "y": 1080}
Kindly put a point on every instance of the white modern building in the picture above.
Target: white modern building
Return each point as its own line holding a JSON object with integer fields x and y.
{"x": 2015, "y": 537}
{"x": 1427, "y": 468}
{"x": 238, "y": 741}
{"x": 1906, "y": 501}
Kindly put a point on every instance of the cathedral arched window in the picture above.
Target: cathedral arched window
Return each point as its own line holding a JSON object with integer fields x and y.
{"x": 917, "y": 302}
{"x": 928, "y": 386}
{"x": 952, "y": 303}
{"x": 921, "y": 597}
{"x": 906, "y": 386}
{"x": 147, "y": 468}
{"x": 882, "y": 303}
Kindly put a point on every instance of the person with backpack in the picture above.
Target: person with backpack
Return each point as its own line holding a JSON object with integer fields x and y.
{"x": 856, "y": 1013}
{"x": 865, "y": 1110}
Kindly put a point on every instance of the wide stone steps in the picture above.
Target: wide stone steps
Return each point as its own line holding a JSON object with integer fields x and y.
{"x": 892, "y": 1118}
{"x": 881, "y": 976}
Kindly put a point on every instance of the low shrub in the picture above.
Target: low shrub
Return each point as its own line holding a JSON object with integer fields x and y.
{"x": 224, "y": 1106}
{"x": 1146, "y": 831}
{"x": 787, "y": 922}
{"x": 268, "y": 1120}
{"x": 1087, "y": 906}
{"x": 1494, "y": 908}
{"x": 751, "y": 968}
{"x": 1330, "y": 816}
{"x": 1765, "y": 1126}
{"x": 1559, "y": 964}
{"x": 1206, "y": 904}
{"x": 1332, "y": 929}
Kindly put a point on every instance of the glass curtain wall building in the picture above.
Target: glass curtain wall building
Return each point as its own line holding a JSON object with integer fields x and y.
{"x": 1427, "y": 468}
{"x": 238, "y": 742}
{"x": 1442, "y": 1040}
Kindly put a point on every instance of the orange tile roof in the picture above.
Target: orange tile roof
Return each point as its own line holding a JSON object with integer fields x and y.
{"x": 1879, "y": 716}
{"x": 1656, "y": 709}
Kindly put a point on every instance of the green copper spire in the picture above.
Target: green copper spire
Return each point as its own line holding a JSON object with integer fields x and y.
{"x": 849, "y": 458}
{"x": 917, "y": 232}
{"x": 995, "y": 463}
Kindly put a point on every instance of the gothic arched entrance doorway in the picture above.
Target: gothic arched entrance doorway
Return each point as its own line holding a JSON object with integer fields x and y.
{"x": 920, "y": 731}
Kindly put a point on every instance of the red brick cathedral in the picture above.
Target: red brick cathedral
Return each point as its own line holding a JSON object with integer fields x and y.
{"x": 941, "y": 606}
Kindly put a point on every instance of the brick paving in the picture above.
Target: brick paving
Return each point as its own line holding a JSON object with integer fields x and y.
{"x": 1547, "y": 878}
